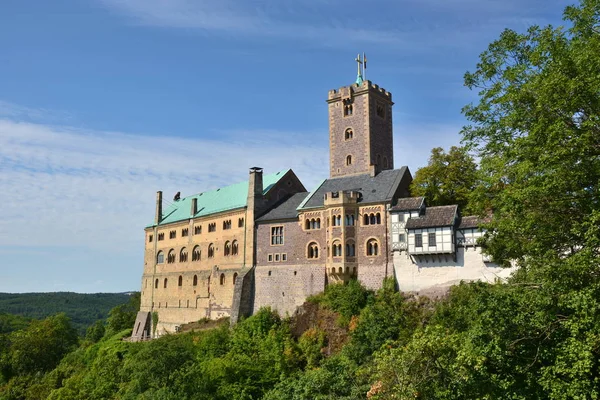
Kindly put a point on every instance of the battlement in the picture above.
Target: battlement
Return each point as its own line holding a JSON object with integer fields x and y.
{"x": 341, "y": 198}
{"x": 354, "y": 89}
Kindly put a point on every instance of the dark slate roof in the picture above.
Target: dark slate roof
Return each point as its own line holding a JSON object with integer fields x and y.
{"x": 472, "y": 221}
{"x": 409, "y": 204}
{"x": 374, "y": 189}
{"x": 434, "y": 217}
{"x": 285, "y": 209}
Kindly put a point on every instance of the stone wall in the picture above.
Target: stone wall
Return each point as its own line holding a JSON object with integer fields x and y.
{"x": 435, "y": 275}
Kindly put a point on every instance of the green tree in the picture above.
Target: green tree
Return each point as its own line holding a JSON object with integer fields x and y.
{"x": 448, "y": 178}
{"x": 123, "y": 316}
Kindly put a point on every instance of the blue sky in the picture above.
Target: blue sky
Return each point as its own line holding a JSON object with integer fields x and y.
{"x": 104, "y": 102}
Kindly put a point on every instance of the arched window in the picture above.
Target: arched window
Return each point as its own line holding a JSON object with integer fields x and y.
{"x": 222, "y": 279}
{"x": 365, "y": 219}
{"x": 234, "y": 248}
{"x": 340, "y": 270}
{"x": 378, "y": 218}
{"x": 171, "y": 257}
{"x": 372, "y": 219}
{"x": 195, "y": 281}
{"x": 234, "y": 278}
{"x": 338, "y": 220}
{"x": 180, "y": 281}
{"x": 349, "y": 160}
{"x": 241, "y": 223}
{"x": 313, "y": 250}
{"x": 318, "y": 223}
{"x": 372, "y": 247}
{"x": 378, "y": 162}
{"x": 313, "y": 223}
{"x": 350, "y": 249}
{"x": 165, "y": 283}
{"x": 211, "y": 250}
{"x": 160, "y": 257}
{"x": 349, "y": 134}
{"x": 196, "y": 253}
{"x": 227, "y": 248}
{"x": 337, "y": 249}
{"x": 183, "y": 255}
{"x": 307, "y": 225}
{"x": 156, "y": 284}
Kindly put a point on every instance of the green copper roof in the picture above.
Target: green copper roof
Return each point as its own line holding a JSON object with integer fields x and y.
{"x": 359, "y": 80}
{"x": 215, "y": 201}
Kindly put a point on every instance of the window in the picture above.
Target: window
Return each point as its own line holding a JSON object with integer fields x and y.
{"x": 348, "y": 109}
{"x": 180, "y": 281}
{"x": 401, "y": 238}
{"x": 197, "y": 229}
{"x": 172, "y": 234}
{"x": 171, "y": 257}
{"x": 349, "y": 134}
{"x": 349, "y": 219}
{"x": 212, "y": 227}
{"x": 241, "y": 223}
{"x": 380, "y": 110}
{"x": 431, "y": 239}
{"x": 378, "y": 162}
{"x": 211, "y": 251}
{"x": 418, "y": 240}
{"x": 227, "y": 249}
{"x": 160, "y": 257}
{"x": 195, "y": 281}
{"x": 313, "y": 223}
{"x": 235, "y": 278}
{"x": 234, "y": 248}
{"x": 183, "y": 255}
{"x": 284, "y": 257}
{"x": 276, "y": 235}
{"x": 277, "y": 257}
{"x": 349, "y": 160}
{"x": 270, "y": 257}
{"x": 196, "y": 253}
{"x": 372, "y": 247}
{"x": 227, "y": 224}
{"x": 184, "y": 232}
{"x": 156, "y": 284}
{"x": 350, "y": 249}
{"x": 150, "y": 238}
{"x": 222, "y": 279}
{"x": 337, "y": 249}
{"x": 161, "y": 236}
{"x": 313, "y": 250}
{"x": 165, "y": 283}
{"x": 385, "y": 162}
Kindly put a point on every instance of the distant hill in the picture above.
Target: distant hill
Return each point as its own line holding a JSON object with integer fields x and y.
{"x": 82, "y": 309}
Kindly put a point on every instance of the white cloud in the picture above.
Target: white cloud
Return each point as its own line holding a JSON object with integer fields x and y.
{"x": 68, "y": 187}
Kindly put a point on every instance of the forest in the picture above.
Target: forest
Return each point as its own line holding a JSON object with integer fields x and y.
{"x": 535, "y": 132}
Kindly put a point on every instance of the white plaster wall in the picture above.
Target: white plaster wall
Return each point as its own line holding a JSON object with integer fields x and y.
{"x": 438, "y": 276}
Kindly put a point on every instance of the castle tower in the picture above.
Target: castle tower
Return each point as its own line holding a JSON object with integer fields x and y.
{"x": 360, "y": 129}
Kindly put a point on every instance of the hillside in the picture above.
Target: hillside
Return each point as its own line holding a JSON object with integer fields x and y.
{"x": 82, "y": 309}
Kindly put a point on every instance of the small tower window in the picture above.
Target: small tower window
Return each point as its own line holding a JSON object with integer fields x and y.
{"x": 349, "y": 134}
{"x": 380, "y": 110}
{"x": 348, "y": 110}
{"x": 372, "y": 247}
{"x": 348, "y": 160}
{"x": 222, "y": 279}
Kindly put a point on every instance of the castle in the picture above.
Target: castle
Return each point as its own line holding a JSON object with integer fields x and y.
{"x": 270, "y": 242}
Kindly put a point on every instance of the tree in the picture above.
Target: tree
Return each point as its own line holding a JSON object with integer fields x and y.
{"x": 123, "y": 316}
{"x": 448, "y": 178}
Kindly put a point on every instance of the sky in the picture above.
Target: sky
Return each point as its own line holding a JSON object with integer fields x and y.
{"x": 105, "y": 102}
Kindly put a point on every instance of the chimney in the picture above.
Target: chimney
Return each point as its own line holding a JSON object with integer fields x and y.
{"x": 194, "y": 209}
{"x": 255, "y": 183}
{"x": 158, "y": 215}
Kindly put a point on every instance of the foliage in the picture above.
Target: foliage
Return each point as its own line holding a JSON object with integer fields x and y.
{"x": 9, "y": 322}
{"x": 448, "y": 178}
{"x": 82, "y": 309}
{"x": 346, "y": 299}
{"x": 123, "y": 316}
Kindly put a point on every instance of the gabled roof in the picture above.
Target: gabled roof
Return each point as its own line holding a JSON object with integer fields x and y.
{"x": 409, "y": 204}
{"x": 374, "y": 189}
{"x": 214, "y": 201}
{"x": 285, "y": 209}
{"x": 472, "y": 221}
{"x": 434, "y": 217}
